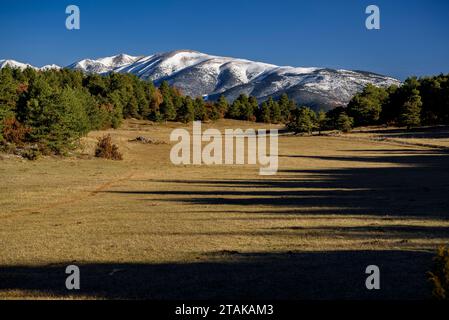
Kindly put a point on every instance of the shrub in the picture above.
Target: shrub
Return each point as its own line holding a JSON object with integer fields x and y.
{"x": 106, "y": 149}
{"x": 13, "y": 131}
{"x": 439, "y": 276}
{"x": 31, "y": 154}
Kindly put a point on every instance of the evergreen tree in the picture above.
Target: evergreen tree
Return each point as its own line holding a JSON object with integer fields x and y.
{"x": 321, "y": 121}
{"x": 264, "y": 113}
{"x": 366, "y": 107}
{"x": 344, "y": 122}
{"x": 212, "y": 112}
{"x": 167, "y": 110}
{"x": 275, "y": 111}
{"x": 253, "y": 105}
{"x": 186, "y": 112}
{"x": 303, "y": 120}
{"x": 222, "y": 106}
{"x": 8, "y": 96}
{"x": 131, "y": 107}
{"x": 286, "y": 107}
{"x": 200, "y": 109}
{"x": 234, "y": 111}
{"x": 411, "y": 110}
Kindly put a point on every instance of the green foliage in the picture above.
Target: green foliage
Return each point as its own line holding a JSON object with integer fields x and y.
{"x": 322, "y": 121}
{"x": 411, "y": 110}
{"x": 186, "y": 112}
{"x": 344, "y": 122}
{"x": 243, "y": 108}
{"x": 222, "y": 106}
{"x": 303, "y": 120}
{"x": 60, "y": 106}
{"x": 285, "y": 107}
{"x": 366, "y": 107}
{"x": 199, "y": 109}
{"x": 57, "y": 107}
{"x": 402, "y": 104}
{"x": 8, "y": 96}
{"x": 212, "y": 113}
{"x": 31, "y": 154}
{"x": 439, "y": 275}
{"x": 275, "y": 111}
{"x": 264, "y": 113}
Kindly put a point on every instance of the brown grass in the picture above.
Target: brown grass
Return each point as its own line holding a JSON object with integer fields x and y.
{"x": 337, "y": 205}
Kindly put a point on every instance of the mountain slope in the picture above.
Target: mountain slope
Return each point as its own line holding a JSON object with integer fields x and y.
{"x": 199, "y": 74}
{"x": 19, "y": 65}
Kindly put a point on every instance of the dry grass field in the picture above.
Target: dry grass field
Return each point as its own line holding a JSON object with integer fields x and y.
{"x": 145, "y": 228}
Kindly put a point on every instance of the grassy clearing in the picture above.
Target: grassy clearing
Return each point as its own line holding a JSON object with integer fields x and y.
{"x": 144, "y": 228}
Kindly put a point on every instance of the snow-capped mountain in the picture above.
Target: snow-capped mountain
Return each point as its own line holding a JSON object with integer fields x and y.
{"x": 199, "y": 74}
{"x": 19, "y": 65}
{"x": 104, "y": 65}
{"x": 14, "y": 64}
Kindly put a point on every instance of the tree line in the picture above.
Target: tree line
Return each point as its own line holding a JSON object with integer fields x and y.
{"x": 418, "y": 101}
{"x": 423, "y": 101}
{"x": 52, "y": 109}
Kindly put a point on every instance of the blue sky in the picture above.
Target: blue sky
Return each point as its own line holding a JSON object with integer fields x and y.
{"x": 413, "y": 40}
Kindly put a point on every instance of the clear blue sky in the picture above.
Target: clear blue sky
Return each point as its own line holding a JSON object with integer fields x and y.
{"x": 413, "y": 40}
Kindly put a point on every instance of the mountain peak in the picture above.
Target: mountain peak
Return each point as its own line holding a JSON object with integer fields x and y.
{"x": 14, "y": 64}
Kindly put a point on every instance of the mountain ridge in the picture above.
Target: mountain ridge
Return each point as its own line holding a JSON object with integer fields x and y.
{"x": 209, "y": 76}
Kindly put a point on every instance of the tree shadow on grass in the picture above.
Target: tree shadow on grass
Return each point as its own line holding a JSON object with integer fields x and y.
{"x": 234, "y": 275}
{"x": 439, "y": 132}
{"x": 413, "y": 184}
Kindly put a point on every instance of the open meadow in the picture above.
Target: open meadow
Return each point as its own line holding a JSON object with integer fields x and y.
{"x": 145, "y": 228}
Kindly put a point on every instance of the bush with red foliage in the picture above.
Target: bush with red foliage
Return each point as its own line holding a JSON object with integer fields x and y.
{"x": 106, "y": 149}
{"x": 13, "y": 131}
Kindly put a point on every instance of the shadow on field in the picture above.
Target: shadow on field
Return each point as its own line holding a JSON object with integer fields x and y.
{"x": 439, "y": 132}
{"x": 411, "y": 183}
{"x": 234, "y": 275}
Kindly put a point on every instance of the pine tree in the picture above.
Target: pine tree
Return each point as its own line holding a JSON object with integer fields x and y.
{"x": 8, "y": 96}
{"x": 303, "y": 120}
{"x": 264, "y": 113}
{"x": 411, "y": 110}
{"x": 274, "y": 110}
{"x": 322, "y": 121}
{"x": 222, "y": 106}
{"x": 253, "y": 105}
{"x": 234, "y": 111}
{"x": 186, "y": 112}
{"x": 285, "y": 106}
{"x": 366, "y": 107}
{"x": 167, "y": 110}
{"x": 200, "y": 109}
{"x": 344, "y": 123}
{"x": 212, "y": 112}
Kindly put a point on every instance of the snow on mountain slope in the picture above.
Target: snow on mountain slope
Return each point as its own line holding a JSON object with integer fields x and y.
{"x": 200, "y": 74}
{"x": 50, "y": 67}
{"x": 15, "y": 64}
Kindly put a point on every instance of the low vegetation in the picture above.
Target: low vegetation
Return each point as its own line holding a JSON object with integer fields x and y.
{"x": 107, "y": 150}
{"x": 439, "y": 276}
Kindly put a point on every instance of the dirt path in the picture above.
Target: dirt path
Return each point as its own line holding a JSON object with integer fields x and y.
{"x": 72, "y": 200}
